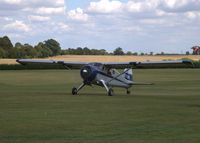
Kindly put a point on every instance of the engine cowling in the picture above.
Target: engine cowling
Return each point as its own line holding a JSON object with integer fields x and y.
{"x": 88, "y": 74}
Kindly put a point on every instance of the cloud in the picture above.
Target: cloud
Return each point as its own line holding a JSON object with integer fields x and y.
{"x": 18, "y": 5}
{"x": 33, "y": 3}
{"x": 63, "y": 26}
{"x": 3, "y": 18}
{"x": 17, "y": 26}
{"x": 59, "y": 2}
{"x": 153, "y": 21}
{"x": 136, "y": 6}
{"x": 180, "y": 6}
{"x": 142, "y": 6}
{"x": 105, "y": 6}
{"x": 78, "y": 15}
{"x": 192, "y": 15}
{"x": 177, "y": 3}
{"x": 121, "y": 21}
{"x": 38, "y": 18}
{"x": 50, "y": 10}
{"x": 44, "y": 3}
{"x": 12, "y": 1}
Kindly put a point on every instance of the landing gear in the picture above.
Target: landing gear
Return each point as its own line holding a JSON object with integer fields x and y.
{"x": 75, "y": 90}
{"x": 108, "y": 89}
{"x": 128, "y": 92}
{"x": 110, "y": 92}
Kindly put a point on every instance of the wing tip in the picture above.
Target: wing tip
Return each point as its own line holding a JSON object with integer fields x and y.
{"x": 133, "y": 63}
{"x": 188, "y": 62}
{"x": 18, "y": 61}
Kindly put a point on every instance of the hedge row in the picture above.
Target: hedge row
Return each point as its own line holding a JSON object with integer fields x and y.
{"x": 196, "y": 64}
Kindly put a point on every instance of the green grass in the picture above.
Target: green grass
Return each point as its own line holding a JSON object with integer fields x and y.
{"x": 37, "y": 107}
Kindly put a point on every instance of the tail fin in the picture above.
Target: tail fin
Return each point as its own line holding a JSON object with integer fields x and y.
{"x": 128, "y": 77}
{"x": 128, "y": 74}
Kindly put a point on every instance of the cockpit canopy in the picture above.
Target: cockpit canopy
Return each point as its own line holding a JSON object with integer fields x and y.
{"x": 105, "y": 69}
{"x": 97, "y": 65}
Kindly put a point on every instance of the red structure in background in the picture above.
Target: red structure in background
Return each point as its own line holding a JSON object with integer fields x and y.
{"x": 196, "y": 50}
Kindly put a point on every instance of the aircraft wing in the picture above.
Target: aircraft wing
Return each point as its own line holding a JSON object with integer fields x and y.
{"x": 150, "y": 64}
{"x": 69, "y": 65}
{"x": 119, "y": 65}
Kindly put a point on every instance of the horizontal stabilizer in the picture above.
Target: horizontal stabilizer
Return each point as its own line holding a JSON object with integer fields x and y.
{"x": 141, "y": 83}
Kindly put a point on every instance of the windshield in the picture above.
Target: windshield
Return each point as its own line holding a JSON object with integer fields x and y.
{"x": 98, "y": 65}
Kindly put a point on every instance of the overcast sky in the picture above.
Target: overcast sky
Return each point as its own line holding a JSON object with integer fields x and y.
{"x": 134, "y": 25}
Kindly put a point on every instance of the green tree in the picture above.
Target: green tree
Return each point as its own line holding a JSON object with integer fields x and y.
{"x": 15, "y": 53}
{"x": 5, "y": 43}
{"x": 79, "y": 51}
{"x": 102, "y": 52}
{"x": 18, "y": 45}
{"x": 30, "y": 51}
{"x": 42, "y": 50}
{"x": 65, "y": 52}
{"x": 129, "y": 53}
{"x": 94, "y": 52}
{"x": 187, "y": 53}
{"x": 151, "y": 53}
{"x": 86, "y": 51}
{"x": 2, "y": 53}
{"x": 118, "y": 51}
{"x": 135, "y": 54}
{"x": 54, "y": 46}
{"x": 162, "y": 53}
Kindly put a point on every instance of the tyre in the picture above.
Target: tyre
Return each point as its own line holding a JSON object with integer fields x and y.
{"x": 74, "y": 91}
{"x": 128, "y": 92}
{"x": 110, "y": 92}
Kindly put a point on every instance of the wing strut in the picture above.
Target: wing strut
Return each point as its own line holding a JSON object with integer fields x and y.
{"x": 118, "y": 75}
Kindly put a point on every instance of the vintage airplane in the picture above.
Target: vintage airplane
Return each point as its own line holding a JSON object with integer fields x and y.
{"x": 105, "y": 74}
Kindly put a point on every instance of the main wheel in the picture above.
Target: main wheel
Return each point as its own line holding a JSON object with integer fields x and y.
{"x": 110, "y": 92}
{"x": 128, "y": 92}
{"x": 74, "y": 91}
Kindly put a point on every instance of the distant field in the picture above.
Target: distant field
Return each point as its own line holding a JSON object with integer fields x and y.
{"x": 37, "y": 107}
{"x": 111, "y": 58}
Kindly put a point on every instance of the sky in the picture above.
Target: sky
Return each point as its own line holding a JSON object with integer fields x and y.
{"x": 170, "y": 26}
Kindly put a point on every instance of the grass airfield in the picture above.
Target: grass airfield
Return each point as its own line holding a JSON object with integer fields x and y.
{"x": 36, "y": 106}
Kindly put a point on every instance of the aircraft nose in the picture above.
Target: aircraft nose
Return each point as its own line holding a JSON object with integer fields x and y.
{"x": 85, "y": 71}
{"x": 87, "y": 74}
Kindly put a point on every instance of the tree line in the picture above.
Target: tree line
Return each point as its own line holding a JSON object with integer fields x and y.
{"x": 43, "y": 49}
{"x": 47, "y": 48}
{"x": 51, "y": 47}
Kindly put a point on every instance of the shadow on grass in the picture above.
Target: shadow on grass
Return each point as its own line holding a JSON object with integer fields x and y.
{"x": 194, "y": 105}
{"x": 102, "y": 94}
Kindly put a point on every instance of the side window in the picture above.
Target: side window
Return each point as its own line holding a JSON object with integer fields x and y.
{"x": 128, "y": 76}
{"x": 113, "y": 72}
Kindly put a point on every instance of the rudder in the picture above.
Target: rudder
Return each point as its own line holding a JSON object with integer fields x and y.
{"x": 128, "y": 75}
